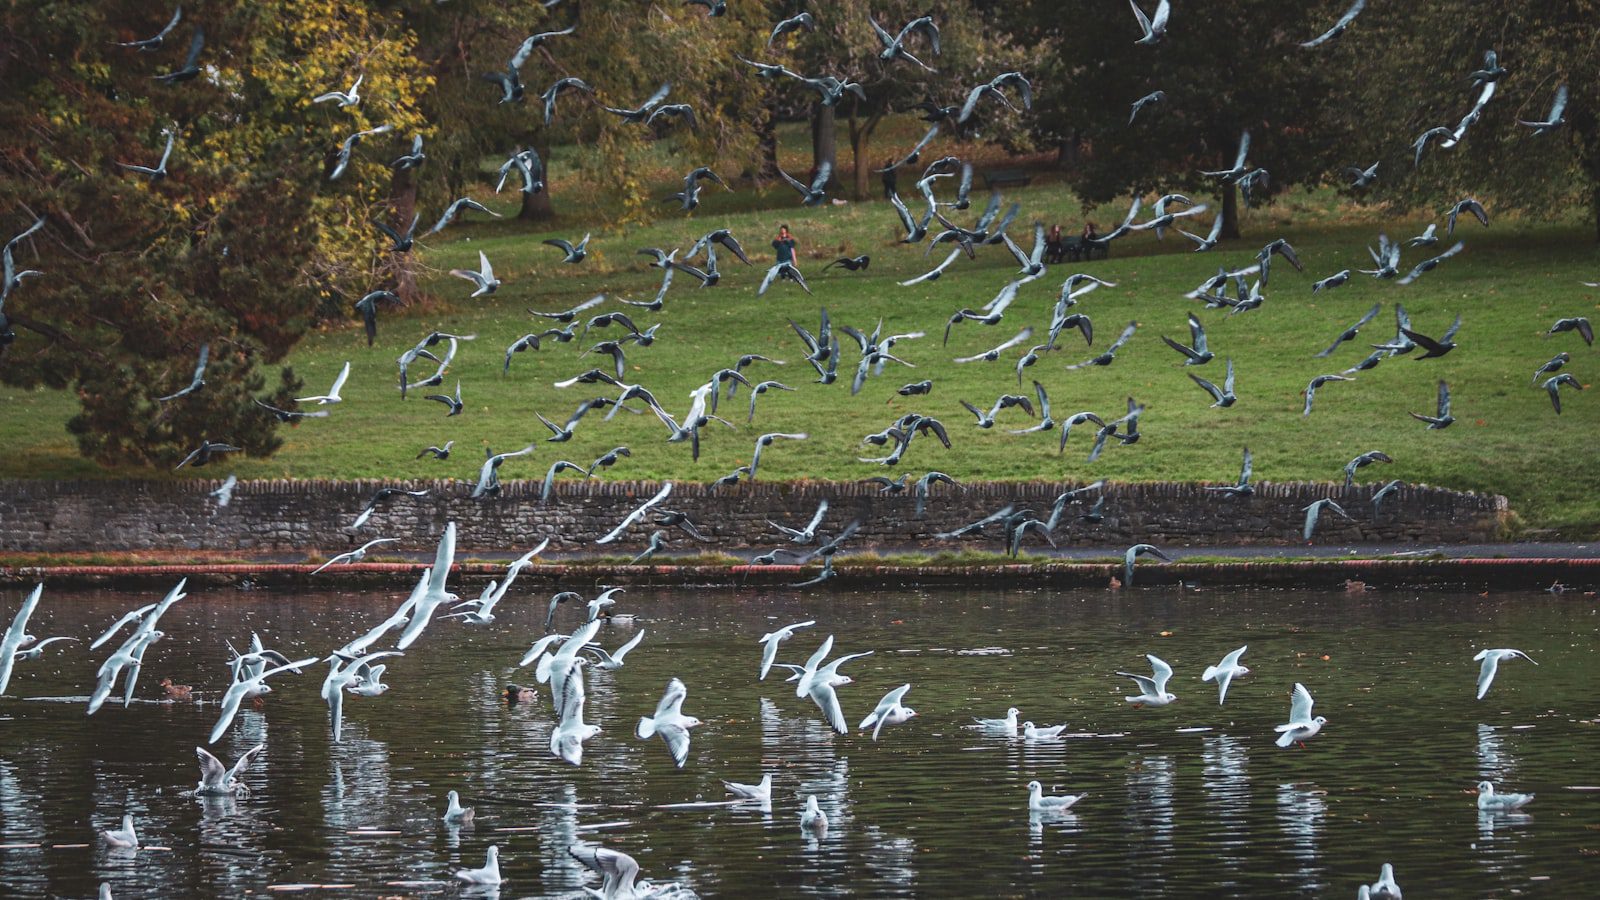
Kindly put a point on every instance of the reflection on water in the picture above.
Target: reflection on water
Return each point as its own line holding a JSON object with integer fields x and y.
{"x": 1188, "y": 800}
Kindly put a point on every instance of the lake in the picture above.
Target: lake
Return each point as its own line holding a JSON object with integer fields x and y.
{"x": 1192, "y": 799}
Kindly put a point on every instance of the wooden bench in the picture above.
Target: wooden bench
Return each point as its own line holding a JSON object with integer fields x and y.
{"x": 1006, "y": 178}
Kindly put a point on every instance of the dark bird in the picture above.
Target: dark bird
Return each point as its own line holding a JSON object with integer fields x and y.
{"x": 887, "y": 485}
{"x": 993, "y": 353}
{"x": 1434, "y": 348}
{"x": 916, "y": 389}
{"x": 1045, "y": 422}
{"x": 1238, "y": 168}
{"x": 721, "y": 237}
{"x": 1337, "y": 279}
{"x": 1555, "y": 118}
{"x": 1223, "y": 397}
{"x": 1200, "y": 353}
{"x": 926, "y": 483}
{"x": 154, "y": 43}
{"x": 439, "y": 453}
{"x": 803, "y": 20}
{"x": 978, "y": 526}
{"x": 1314, "y": 512}
{"x": 569, "y": 315}
{"x": 1339, "y": 27}
{"x": 785, "y": 272}
{"x": 767, "y": 440}
{"x": 555, "y": 469}
{"x": 160, "y": 170}
{"x": 1580, "y": 324}
{"x": 195, "y": 383}
{"x": 1428, "y": 265}
{"x": 1382, "y": 494}
{"x": 1243, "y": 487}
{"x": 339, "y": 158}
{"x": 453, "y": 211}
{"x": 1427, "y": 238}
{"x": 851, "y": 263}
{"x": 555, "y": 90}
{"x": 382, "y": 495}
{"x": 1146, "y": 100}
{"x": 289, "y": 415}
{"x": 411, "y": 160}
{"x": 1491, "y": 71}
{"x": 641, "y": 113}
{"x": 1006, "y": 401}
{"x": 575, "y": 253}
{"x": 830, "y": 89}
{"x": 399, "y": 243}
{"x": 672, "y": 518}
{"x": 1319, "y": 381}
{"x": 368, "y": 307}
{"x": 1282, "y": 248}
{"x": 1349, "y": 334}
{"x": 762, "y": 388}
{"x": 674, "y": 111}
{"x": 1110, "y": 354}
{"x": 1363, "y": 178}
{"x": 1554, "y": 365}
{"x": 521, "y": 344}
{"x": 1468, "y": 205}
{"x": 1361, "y": 462}
{"x": 204, "y": 453}
{"x": 453, "y": 402}
{"x": 1553, "y": 386}
{"x": 714, "y": 8}
{"x": 609, "y": 459}
{"x": 816, "y": 192}
{"x": 915, "y": 231}
{"x": 191, "y": 63}
{"x": 1442, "y": 418}
{"x": 894, "y": 46}
{"x": 1203, "y": 244}
{"x": 527, "y": 164}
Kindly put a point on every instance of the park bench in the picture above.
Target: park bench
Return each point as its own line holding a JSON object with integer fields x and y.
{"x": 1000, "y": 178}
{"x": 1076, "y": 248}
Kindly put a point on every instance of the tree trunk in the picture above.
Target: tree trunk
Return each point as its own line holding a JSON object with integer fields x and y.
{"x": 537, "y": 207}
{"x": 860, "y": 138}
{"x": 824, "y": 140}
{"x": 1230, "y": 211}
{"x": 767, "y": 141}
{"x": 402, "y": 206}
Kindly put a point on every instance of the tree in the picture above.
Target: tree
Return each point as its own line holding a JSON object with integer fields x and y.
{"x": 237, "y": 249}
{"x": 1234, "y": 65}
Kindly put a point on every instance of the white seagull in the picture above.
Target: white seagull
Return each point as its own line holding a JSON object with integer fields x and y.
{"x": 1489, "y": 658}
{"x": 489, "y": 874}
{"x": 1489, "y": 801}
{"x": 819, "y": 684}
{"x": 345, "y": 98}
{"x": 1152, "y": 688}
{"x": 566, "y": 739}
{"x": 248, "y": 686}
{"x": 17, "y": 635}
{"x": 619, "y": 870}
{"x": 435, "y": 595}
{"x": 1386, "y": 888}
{"x": 1032, "y": 732}
{"x": 483, "y": 277}
{"x": 355, "y": 555}
{"x": 813, "y": 818}
{"x": 454, "y": 812}
{"x": 889, "y": 712}
{"x": 759, "y": 792}
{"x": 126, "y": 837}
{"x": 332, "y": 396}
{"x": 771, "y": 641}
{"x": 670, "y": 722}
{"x": 1301, "y": 726}
{"x": 219, "y": 781}
{"x": 1006, "y": 726}
{"x": 1224, "y": 672}
{"x": 1039, "y": 803}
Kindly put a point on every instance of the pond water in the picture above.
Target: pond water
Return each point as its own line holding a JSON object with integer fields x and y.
{"x": 1192, "y": 799}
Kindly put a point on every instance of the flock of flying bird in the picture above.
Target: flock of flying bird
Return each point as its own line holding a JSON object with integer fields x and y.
{"x": 559, "y": 660}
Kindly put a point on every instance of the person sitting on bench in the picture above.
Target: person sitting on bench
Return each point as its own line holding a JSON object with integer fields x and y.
{"x": 1054, "y": 249}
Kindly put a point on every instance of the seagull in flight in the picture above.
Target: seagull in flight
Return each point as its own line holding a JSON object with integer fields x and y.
{"x": 332, "y": 396}
{"x": 1154, "y": 27}
{"x": 1301, "y": 727}
{"x": 1152, "y": 688}
{"x": 1490, "y": 665}
{"x": 1224, "y": 672}
{"x": 355, "y": 555}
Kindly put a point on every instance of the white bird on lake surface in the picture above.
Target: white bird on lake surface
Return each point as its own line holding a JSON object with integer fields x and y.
{"x": 1490, "y": 660}
{"x": 598, "y": 604}
{"x": 1032, "y": 732}
{"x": 813, "y": 818}
{"x": 1489, "y": 801}
{"x": 355, "y": 555}
{"x": 217, "y": 781}
{"x": 17, "y": 635}
{"x": 1224, "y": 672}
{"x": 454, "y": 812}
{"x": 1039, "y": 803}
{"x": 1152, "y": 688}
{"x": 770, "y": 652}
{"x": 620, "y": 872}
{"x": 252, "y": 686}
{"x": 332, "y": 396}
{"x": 670, "y": 722}
{"x": 566, "y": 739}
{"x": 1006, "y": 726}
{"x": 435, "y": 595}
{"x": 130, "y": 656}
{"x": 889, "y": 712}
{"x": 760, "y": 792}
{"x": 1385, "y": 888}
{"x": 342, "y": 678}
{"x": 127, "y": 838}
{"x": 489, "y": 874}
{"x": 1301, "y": 727}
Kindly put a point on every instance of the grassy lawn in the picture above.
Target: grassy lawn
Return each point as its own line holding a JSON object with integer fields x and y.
{"x": 1513, "y": 280}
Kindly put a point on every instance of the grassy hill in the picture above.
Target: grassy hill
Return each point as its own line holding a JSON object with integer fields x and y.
{"x": 1513, "y": 280}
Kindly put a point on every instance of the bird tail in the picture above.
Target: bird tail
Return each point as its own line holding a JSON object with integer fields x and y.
{"x": 647, "y": 727}
{"x": 1285, "y": 739}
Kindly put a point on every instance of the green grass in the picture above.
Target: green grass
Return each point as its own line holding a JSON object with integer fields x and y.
{"x": 1512, "y": 281}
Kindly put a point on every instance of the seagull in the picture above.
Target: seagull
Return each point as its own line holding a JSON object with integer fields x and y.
{"x": 454, "y": 812}
{"x": 1006, "y": 726}
{"x": 1224, "y": 672}
{"x": 1468, "y": 205}
{"x": 813, "y": 818}
{"x": 252, "y": 686}
{"x": 1490, "y": 664}
{"x": 771, "y": 641}
{"x": 936, "y": 272}
{"x": 127, "y": 838}
{"x": 340, "y": 158}
{"x": 1152, "y": 688}
{"x": 803, "y": 20}
{"x": 620, "y": 870}
{"x": 555, "y": 90}
{"x": 154, "y": 43}
{"x": 489, "y": 874}
{"x": 17, "y": 635}
{"x": 1038, "y": 802}
{"x": 1314, "y": 512}
{"x": 1033, "y": 732}
{"x": 1385, "y": 888}
{"x": 217, "y": 780}
{"x": 1154, "y": 28}
{"x": 889, "y": 711}
{"x": 160, "y": 171}
{"x": 483, "y": 278}
{"x": 344, "y": 98}
{"x": 575, "y": 253}
{"x": 1556, "y": 117}
{"x": 637, "y": 514}
{"x": 454, "y": 402}
{"x": 1301, "y": 727}
{"x": 1133, "y": 553}
{"x": 355, "y": 555}
{"x": 1488, "y": 800}
{"x": 761, "y": 792}
{"x": 1553, "y": 387}
{"x": 1363, "y": 178}
{"x": 566, "y": 739}
{"x": 1442, "y": 418}
{"x": 609, "y": 661}
{"x": 434, "y": 594}
{"x": 1349, "y": 334}
{"x": 670, "y": 722}
{"x": 819, "y": 683}
{"x": 332, "y": 396}
{"x": 1339, "y": 27}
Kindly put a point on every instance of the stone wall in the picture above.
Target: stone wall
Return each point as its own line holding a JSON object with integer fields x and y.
{"x": 304, "y": 516}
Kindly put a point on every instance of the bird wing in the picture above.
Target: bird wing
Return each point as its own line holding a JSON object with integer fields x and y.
{"x": 1300, "y": 705}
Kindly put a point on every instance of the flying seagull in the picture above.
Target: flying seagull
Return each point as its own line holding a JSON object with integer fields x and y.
{"x": 1339, "y": 27}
